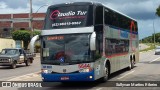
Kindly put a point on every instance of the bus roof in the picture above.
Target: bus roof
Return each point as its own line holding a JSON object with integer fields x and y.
{"x": 90, "y": 3}
{"x": 118, "y": 12}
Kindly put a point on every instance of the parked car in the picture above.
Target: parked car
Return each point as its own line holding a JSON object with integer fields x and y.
{"x": 13, "y": 56}
{"x": 157, "y": 50}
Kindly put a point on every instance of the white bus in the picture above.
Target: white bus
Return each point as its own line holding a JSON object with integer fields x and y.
{"x": 85, "y": 41}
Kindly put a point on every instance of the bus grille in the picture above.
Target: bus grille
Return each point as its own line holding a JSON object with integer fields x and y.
{"x": 65, "y": 73}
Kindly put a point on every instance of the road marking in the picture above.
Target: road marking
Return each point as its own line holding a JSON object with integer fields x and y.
{"x": 154, "y": 60}
{"x": 98, "y": 88}
{"x": 125, "y": 75}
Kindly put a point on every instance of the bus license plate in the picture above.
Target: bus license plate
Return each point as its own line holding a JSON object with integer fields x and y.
{"x": 65, "y": 78}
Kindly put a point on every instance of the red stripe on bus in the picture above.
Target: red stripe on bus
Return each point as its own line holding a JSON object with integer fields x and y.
{"x": 115, "y": 55}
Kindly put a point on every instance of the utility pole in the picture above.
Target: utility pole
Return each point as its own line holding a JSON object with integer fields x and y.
{"x": 31, "y": 18}
{"x": 154, "y": 34}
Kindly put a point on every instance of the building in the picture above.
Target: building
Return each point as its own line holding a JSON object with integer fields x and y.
{"x": 9, "y": 22}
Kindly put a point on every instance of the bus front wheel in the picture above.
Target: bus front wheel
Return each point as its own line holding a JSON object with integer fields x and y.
{"x": 105, "y": 78}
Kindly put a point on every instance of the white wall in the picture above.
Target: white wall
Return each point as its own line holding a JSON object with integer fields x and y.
{"x": 6, "y": 43}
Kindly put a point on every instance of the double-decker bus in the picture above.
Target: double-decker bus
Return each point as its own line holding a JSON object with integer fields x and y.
{"x": 85, "y": 41}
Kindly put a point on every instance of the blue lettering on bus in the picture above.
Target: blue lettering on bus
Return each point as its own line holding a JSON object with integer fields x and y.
{"x": 49, "y": 67}
{"x": 44, "y": 66}
{"x": 124, "y": 34}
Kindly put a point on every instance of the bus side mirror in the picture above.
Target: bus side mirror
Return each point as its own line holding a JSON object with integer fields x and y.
{"x": 33, "y": 40}
{"x": 93, "y": 41}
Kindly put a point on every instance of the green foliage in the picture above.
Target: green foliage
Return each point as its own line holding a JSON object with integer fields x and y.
{"x": 147, "y": 40}
{"x": 24, "y": 35}
{"x": 36, "y": 33}
{"x": 158, "y": 11}
{"x": 150, "y": 39}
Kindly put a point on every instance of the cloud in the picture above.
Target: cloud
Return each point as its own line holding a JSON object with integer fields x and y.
{"x": 143, "y": 10}
{"x": 147, "y": 27}
{"x": 39, "y": 2}
{"x": 15, "y": 3}
{"x": 13, "y": 11}
{"x": 3, "y": 5}
{"x": 148, "y": 30}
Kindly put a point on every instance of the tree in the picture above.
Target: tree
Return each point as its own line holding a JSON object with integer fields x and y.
{"x": 150, "y": 39}
{"x": 36, "y": 33}
{"x": 24, "y": 35}
{"x": 158, "y": 11}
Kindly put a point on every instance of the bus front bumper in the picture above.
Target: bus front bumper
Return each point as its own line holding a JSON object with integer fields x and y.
{"x": 87, "y": 76}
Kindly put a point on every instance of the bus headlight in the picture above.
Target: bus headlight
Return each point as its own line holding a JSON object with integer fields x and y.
{"x": 44, "y": 71}
{"x": 85, "y": 70}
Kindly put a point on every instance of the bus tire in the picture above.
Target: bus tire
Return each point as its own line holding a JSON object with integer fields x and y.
{"x": 105, "y": 78}
{"x": 13, "y": 66}
{"x": 131, "y": 66}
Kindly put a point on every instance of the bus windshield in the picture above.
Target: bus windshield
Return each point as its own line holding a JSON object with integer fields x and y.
{"x": 72, "y": 49}
{"x": 68, "y": 17}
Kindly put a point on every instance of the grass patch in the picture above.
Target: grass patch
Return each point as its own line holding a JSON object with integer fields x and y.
{"x": 151, "y": 47}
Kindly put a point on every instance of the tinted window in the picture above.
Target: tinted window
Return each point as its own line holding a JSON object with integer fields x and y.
{"x": 69, "y": 17}
{"x": 115, "y": 46}
{"x": 117, "y": 20}
{"x": 99, "y": 15}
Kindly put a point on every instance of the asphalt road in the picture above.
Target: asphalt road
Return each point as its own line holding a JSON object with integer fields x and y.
{"x": 6, "y": 73}
{"x": 146, "y": 70}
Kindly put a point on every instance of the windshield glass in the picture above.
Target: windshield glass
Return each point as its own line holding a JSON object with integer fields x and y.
{"x": 68, "y": 17}
{"x": 66, "y": 49}
{"x": 9, "y": 51}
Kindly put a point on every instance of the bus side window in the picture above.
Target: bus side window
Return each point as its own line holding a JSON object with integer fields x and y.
{"x": 99, "y": 15}
{"x": 116, "y": 46}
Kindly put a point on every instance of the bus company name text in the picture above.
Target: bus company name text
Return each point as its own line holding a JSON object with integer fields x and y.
{"x": 57, "y": 14}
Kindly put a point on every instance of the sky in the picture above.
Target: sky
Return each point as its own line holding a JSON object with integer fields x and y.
{"x": 141, "y": 10}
